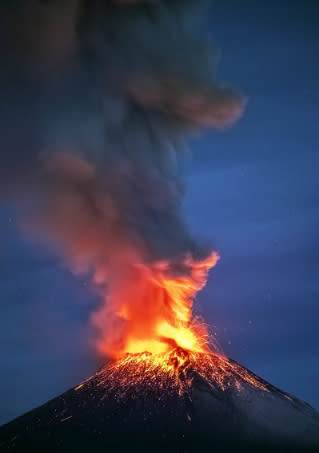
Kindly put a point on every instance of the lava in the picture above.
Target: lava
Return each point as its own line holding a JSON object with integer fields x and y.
{"x": 151, "y": 309}
{"x": 170, "y": 372}
{"x": 174, "y": 401}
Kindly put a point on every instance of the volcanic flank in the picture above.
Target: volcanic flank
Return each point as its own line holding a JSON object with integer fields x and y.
{"x": 179, "y": 401}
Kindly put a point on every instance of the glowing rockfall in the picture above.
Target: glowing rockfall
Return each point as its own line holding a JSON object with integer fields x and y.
{"x": 177, "y": 401}
{"x": 173, "y": 371}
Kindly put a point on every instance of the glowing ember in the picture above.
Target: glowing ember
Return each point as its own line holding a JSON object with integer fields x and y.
{"x": 174, "y": 371}
{"x": 159, "y": 345}
{"x": 152, "y": 311}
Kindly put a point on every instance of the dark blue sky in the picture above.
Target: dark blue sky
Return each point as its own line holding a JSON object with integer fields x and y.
{"x": 253, "y": 191}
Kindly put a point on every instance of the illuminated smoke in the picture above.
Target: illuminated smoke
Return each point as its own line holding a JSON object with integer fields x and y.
{"x": 101, "y": 178}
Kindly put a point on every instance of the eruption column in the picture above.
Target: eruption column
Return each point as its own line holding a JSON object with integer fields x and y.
{"x": 104, "y": 187}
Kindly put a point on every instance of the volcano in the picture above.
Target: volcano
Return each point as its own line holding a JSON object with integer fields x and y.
{"x": 179, "y": 401}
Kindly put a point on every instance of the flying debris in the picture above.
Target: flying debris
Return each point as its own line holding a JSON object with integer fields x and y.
{"x": 178, "y": 401}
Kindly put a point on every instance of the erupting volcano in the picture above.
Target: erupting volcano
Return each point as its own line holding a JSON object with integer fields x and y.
{"x": 120, "y": 91}
{"x": 165, "y": 389}
{"x": 174, "y": 401}
{"x": 156, "y": 310}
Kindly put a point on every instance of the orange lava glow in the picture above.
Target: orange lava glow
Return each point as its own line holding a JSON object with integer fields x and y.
{"x": 171, "y": 372}
{"x": 156, "y": 343}
{"x": 153, "y": 312}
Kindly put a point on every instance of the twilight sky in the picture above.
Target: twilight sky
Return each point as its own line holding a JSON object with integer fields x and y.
{"x": 252, "y": 191}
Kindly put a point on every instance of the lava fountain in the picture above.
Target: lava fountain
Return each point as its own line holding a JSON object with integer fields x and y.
{"x": 153, "y": 310}
{"x": 162, "y": 345}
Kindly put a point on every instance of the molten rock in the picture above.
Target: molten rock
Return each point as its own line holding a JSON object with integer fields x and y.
{"x": 179, "y": 401}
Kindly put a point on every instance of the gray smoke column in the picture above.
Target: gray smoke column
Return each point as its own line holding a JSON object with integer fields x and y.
{"x": 112, "y": 102}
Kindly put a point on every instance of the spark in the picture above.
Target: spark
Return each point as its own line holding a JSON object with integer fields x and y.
{"x": 171, "y": 372}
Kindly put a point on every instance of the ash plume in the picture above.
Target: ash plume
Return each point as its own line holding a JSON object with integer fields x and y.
{"x": 93, "y": 125}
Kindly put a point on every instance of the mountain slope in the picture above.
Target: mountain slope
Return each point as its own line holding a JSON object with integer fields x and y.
{"x": 178, "y": 402}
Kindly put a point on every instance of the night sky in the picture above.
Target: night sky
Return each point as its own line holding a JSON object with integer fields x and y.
{"x": 252, "y": 191}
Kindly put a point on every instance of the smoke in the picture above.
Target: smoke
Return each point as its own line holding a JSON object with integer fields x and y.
{"x": 92, "y": 143}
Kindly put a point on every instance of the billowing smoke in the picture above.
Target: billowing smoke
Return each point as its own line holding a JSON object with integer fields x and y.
{"x": 108, "y": 92}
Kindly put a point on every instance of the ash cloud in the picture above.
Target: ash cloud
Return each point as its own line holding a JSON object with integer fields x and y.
{"x": 99, "y": 97}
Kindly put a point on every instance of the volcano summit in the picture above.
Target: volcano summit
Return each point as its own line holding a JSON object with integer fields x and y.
{"x": 179, "y": 401}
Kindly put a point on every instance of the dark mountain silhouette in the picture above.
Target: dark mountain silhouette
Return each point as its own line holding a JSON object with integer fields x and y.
{"x": 182, "y": 402}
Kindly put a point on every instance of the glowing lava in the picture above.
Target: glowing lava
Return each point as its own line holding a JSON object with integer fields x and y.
{"x": 170, "y": 372}
{"x": 158, "y": 344}
{"x": 152, "y": 311}
{"x": 163, "y": 347}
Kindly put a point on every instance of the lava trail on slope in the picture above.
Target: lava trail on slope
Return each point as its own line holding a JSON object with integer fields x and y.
{"x": 178, "y": 401}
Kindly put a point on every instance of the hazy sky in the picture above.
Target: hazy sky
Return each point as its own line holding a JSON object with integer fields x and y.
{"x": 253, "y": 191}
